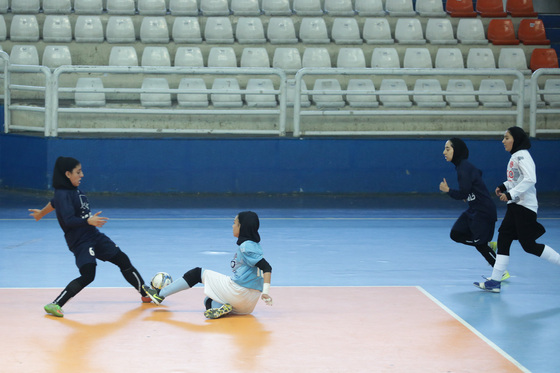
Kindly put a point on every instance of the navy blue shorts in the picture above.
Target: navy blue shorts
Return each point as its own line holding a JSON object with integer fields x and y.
{"x": 479, "y": 228}
{"x": 102, "y": 248}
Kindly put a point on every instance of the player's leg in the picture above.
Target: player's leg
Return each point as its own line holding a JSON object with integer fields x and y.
{"x": 216, "y": 309}
{"x": 87, "y": 275}
{"x": 130, "y": 273}
{"x": 189, "y": 280}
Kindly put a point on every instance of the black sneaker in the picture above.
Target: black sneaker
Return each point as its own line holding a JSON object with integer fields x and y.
{"x": 153, "y": 294}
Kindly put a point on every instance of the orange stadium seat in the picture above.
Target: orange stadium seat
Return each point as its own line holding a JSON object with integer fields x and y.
{"x": 460, "y": 8}
{"x": 501, "y": 32}
{"x": 543, "y": 58}
{"x": 521, "y": 8}
{"x": 532, "y": 32}
{"x": 490, "y": 8}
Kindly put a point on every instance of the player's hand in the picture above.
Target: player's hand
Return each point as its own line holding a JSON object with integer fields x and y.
{"x": 443, "y": 186}
{"x": 96, "y": 220}
{"x": 267, "y": 299}
{"x": 503, "y": 197}
{"x": 36, "y": 214}
{"x": 498, "y": 192}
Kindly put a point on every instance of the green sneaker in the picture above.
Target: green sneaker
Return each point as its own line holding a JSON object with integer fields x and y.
{"x": 214, "y": 313}
{"x": 153, "y": 294}
{"x": 54, "y": 309}
{"x": 505, "y": 276}
{"x": 493, "y": 245}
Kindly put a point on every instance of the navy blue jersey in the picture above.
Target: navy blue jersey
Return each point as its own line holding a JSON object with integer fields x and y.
{"x": 72, "y": 212}
{"x": 474, "y": 191}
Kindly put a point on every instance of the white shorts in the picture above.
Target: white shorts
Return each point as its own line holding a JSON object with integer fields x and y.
{"x": 223, "y": 289}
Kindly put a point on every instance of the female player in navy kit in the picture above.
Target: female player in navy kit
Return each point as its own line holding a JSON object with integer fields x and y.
{"x": 475, "y": 226}
{"x": 224, "y": 294}
{"x": 84, "y": 240}
{"x": 520, "y": 222}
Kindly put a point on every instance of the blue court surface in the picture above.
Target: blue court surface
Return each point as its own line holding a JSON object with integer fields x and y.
{"x": 380, "y": 240}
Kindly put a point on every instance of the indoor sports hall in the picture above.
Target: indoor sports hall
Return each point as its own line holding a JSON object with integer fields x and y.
{"x": 329, "y": 119}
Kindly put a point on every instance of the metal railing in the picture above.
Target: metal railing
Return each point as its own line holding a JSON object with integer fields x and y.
{"x": 534, "y": 110}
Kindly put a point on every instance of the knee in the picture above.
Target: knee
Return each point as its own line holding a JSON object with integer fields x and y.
{"x": 87, "y": 273}
{"x": 532, "y": 247}
{"x": 456, "y": 236}
{"x": 193, "y": 277}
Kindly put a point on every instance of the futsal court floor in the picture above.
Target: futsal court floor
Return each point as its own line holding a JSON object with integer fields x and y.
{"x": 360, "y": 284}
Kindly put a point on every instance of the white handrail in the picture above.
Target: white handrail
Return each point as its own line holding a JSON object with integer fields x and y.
{"x": 533, "y": 109}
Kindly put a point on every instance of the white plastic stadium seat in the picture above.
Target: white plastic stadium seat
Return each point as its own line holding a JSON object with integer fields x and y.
{"x": 189, "y": 57}
{"x": 57, "y": 29}
{"x": 339, "y": 7}
{"x": 281, "y": 30}
{"x": 123, "y": 56}
{"x": 259, "y": 99}
{"x": 400, "y": 8}
{"x": 385, "y": 58}
{"x": 245, "y": 7}
{"x": 526, "y": 100}
{"x": 183, "y": 7}
{"x": 121, "y": 7}
{"x": 254, "y": 57}
{"x": 316, "y": 57}
{"x": 369, "y": 8}
{"x": 465, "y": 100}
{"x": 88, "y": 7}
{"x": 218, "y": 30}
{"x": 24, "y": 27}
{"x": 288, "y": 59}
{"x": 430, "y": 8}
{"x": 222, "y": 57}
{"x": 152, "y": 7}
{"x": 3, "y": 29}
{"x": 308, "y": 7}
{"x": 56, "y": 55}
{"x": 397, "y": 100}
{"x": 495, "y": 99}
{"x": 276, "y": 7}
{"x": 186, "y": 30}
{"x": 409, "y": 31}
{"x": 291, "y": 94}
{"x": 57, "y": 7}
{"x": 224, "y": 98}
{"x": 552, "y": 97}
{"x": 471, "y": 31}
{"x": 4, "y": 6}
{"x": 250, "y": 30}
{"x": 89, "y": 29}
{"x": 156, "y": 56}
{"x": 24, "y": 55}
{"x": 214, "y": 7}
{"x": 429, "y": 101}
{"x": 314, "y": 30}
{"x": 449, "y": 58}
{"x": 513, "y": 58}
{"x": 440, "y": 31}
{"x": 120, "y": 29}
{"x": 25, "y": 6}
{"x": 89, "y": 98}
{"x": 481, "y": 58}
{"x": 364, "y": 100}
{"x": 377, "y": 31}
{"x": 418, "y": 58}
{"x": 192, "y": 99}
{"x": 154, "y": 30}
{"x": 155, "y": 99}
{"x": 327, "y": 100}
{"x": 351, "y": 58}
{"x": 346, "y": 31}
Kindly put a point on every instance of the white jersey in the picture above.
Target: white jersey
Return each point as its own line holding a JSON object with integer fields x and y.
{"x": 521, "y": 180}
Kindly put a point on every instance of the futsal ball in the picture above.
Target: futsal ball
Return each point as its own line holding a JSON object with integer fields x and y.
{"x": 161, "y": 280}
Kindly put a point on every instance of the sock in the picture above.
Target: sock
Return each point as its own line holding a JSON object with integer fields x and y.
{"x": 73, "y": 288}
{"x": 132, "y": 276}
{"x": 176, "y": 286}
{"x": 550, "y": 255}
{"x": 500, "y": 267}
{"x": 487, "y": 253}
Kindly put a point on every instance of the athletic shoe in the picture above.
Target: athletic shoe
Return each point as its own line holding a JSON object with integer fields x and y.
{"x": 493, "y": 245}
{"x": 146, "y": 299}
{"x": 153, "y": 294}
{"x": 214, "y": 313}
{"x": 505, "y": 276}
{"x": 54, "y": 309}
{"x": 490, "y": 285}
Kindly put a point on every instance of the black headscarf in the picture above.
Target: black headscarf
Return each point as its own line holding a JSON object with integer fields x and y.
{"x": 249, "y": 230}
{"x": 63, "y": 164}
{"x": 520, "y": 139}
{"x": 460, "y": 150}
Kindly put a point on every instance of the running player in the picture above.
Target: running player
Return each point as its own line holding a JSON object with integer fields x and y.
{"x": 84, "y": 240}
{"x": 520, "y": 222}
{"x": 224, "y": 294}
{"x": 475, "y": 226}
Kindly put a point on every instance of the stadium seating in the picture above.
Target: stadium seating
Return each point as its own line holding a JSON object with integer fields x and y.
{"x": 490, "y": 8}
{"x": 543, "y": 58}
{"x": 183, "y": 7}
{"x": 120, "y": 29}
{"x": 346, "y": 31}
{"x": 218, "y": 30}
{"x": 276, "y": 7}
{"x": 308, "y": 7}
{"x": 24, "y": 55}
{"x": 245, "y": 7}
{"x": 89, "y": 98}
{"x": 281, "y": 30}
{"x": 288, "y": 59}
{"x": 123, "y": 56}
{"x": 25, "y": 6}
{"x": 254, "y": 57}
{"x": 88, "y": 7}
{"x": 400, "y": 8}
{"x": 377, "y": 31}
{"x": 3, "y": 29}
{"x": 394, "y": 100}
{"x": 122, "y": 7}
{"x": 4, "y": 6}
{"x": 428, "y": 101}
{"x": 513, "y": 58}
{"x": 222, "y": 57}
{"x": 152, "y": 7}
{"x": 156, "y": 56}
{"x": 226, "y": 99}
{"x": 24, "y": 27}
{"x": 290, "y": 94}
{"x": 351, "y": 58}
{"x": 314, "y": 30}
{"x": 430, "y": 8}
{"x": 259, "y": 99}
{"x": 192, "y": 99}
{"x": 409, "y": 31}
{"x": 189, "y": 57}
{"x": 460, "y": 8}
{"x": 385, "y": 58}
{"x": 481, "y": 58}
{"x": 471, "y": 31}
{"x": 89, "y": 29}
{"x": 552, "y": 97}
{"x": 369, "y": 8}
{"x": 186, "y": 30}
{"x": 449, "y": 58}
{"x": 250, "y": 30}
{"x": 440, "y": 31}
{"x": 520, "y": 8}
{"x": 417, "y": 58}
{"x": 466, "y": 100}
{"x": 155, "y": 99}
{"x": 57, "y": 29}
{"x": 214, "y": 7}
{"x": 56, "y": 55}
{"x": 57, "y": 6}
{"x": 339, "y": 7}
{"x": 494, "y": 99}
{"x": 154, "y": 30}
{"x": 502, "y": 32}
{"x": 361, "y": 100}
{"x": 316, "y": 57}
{"x": 532, "y": 32}
{"x": 526, "y": 101}
{"x": 331, "y": 101}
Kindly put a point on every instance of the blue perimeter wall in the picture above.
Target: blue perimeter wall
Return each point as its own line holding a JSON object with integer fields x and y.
{"x": 260, "y": 165}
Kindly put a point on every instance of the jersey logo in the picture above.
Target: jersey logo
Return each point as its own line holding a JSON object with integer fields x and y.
{"x": 91, "y": 251}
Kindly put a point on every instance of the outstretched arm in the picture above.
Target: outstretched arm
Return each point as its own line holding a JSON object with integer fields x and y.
{"x": 39, "y": 214}
{"x": 266, "y": 288}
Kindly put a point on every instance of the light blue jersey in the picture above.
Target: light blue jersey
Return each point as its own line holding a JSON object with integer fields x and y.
{"x": 243, "y": 263}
